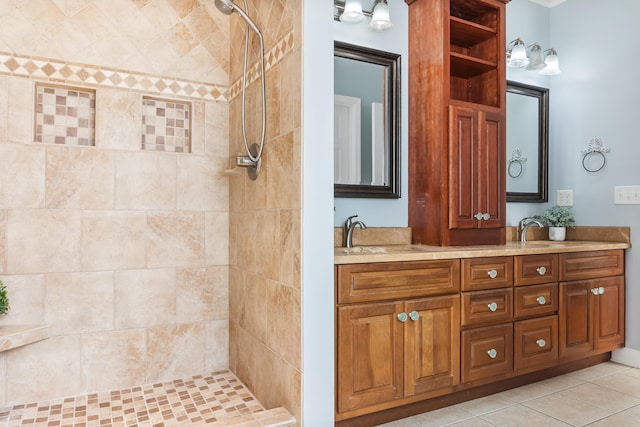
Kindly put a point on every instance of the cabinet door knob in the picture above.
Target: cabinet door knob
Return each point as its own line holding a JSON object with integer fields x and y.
{"x": 486, "y": 216}
{"x": 600, "y": 290}
{"x": 541, "y": 300}
{"x": 541, "y": 270}
{"x": 541, "y": 343}
{"x": 492, "y": 353}
{"x": 478, "y": 216}
{"x": 492, "y": 273}
{"x": 414, "y": 315}
{"x": 493, "y": 306}
{"x": 402, "y": 317}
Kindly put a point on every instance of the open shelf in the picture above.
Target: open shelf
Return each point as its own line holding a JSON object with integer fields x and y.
{"x": 467, "y": 34}
{"x": 467, "y": 67}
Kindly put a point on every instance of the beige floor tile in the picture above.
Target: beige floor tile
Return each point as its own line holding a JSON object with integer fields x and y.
{"x": 405, "y": 422}
{"x": 618, "y": 420}
{"x": 601, "y": 397}
{"x": 566, "y": 409}
{"x": 560, "y": 383}
{"x": 622, "y": 383}
{"x": 526, "y": 392}
{"x": 521, "y": 416}
{"x": 473, "y": 422}
{"x": 598, "y": 371}
{"x": 442, "y": 417}
{"x": 486, "y": 404}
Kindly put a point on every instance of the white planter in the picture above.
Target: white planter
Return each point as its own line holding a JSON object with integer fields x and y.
{"x": 557, "y": 233}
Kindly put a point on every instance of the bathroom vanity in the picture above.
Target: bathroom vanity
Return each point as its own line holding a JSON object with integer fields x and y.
{"x": 421, "y": 327}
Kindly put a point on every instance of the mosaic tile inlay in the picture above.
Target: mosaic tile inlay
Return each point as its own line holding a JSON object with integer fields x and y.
{"x": 219, "y": 399}
{"x": 65, "y": 115}
{"x": 166, "y": 125}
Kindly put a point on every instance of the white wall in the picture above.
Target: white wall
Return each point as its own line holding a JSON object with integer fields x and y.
{"x": 382, "y": 212}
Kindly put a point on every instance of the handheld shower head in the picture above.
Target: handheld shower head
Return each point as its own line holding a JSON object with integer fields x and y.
{"x": 225, "y": 6}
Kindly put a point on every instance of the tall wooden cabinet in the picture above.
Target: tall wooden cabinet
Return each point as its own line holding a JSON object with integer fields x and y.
{"x": 457, "y": 152}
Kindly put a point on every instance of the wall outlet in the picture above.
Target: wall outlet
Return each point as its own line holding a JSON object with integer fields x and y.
{"x": 564, "y": 197}
{"x": 627, "y": 195}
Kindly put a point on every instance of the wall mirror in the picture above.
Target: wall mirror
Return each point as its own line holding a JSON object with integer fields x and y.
{"x": 366, "y": 122}
{"x": 527, "y": 143}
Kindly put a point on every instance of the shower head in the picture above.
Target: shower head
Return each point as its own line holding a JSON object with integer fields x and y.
{"x": 225, "y": 6}
{"x": 228, "y": 7}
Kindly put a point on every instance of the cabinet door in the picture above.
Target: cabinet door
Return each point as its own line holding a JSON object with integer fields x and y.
{"x": 609, "y": 313}
{"x": 432, "y": 352}
{"x": 476, "y": 168}
{"x": 370, "y": 355}
{"x": 576, "y": 334}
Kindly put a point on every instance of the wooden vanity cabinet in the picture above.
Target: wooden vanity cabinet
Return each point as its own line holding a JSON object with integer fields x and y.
{"x": 592, "y": 307}
{"x": 457, "y": 151}
{"x": 396, "y": 351}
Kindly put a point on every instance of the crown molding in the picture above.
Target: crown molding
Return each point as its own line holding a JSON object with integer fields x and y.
{"x": 548, "y": 3}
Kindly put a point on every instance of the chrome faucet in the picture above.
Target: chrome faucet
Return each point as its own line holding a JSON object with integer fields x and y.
{"x": 524, "y": 225}
{"x": 349, "y": 226}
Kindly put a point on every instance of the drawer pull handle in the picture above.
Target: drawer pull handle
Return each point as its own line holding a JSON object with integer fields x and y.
{"x": 492, "y": 273}
{"x": 414, "y": 315}
{"x": 492, "y": 353}
{"x": 493, "y": 306}
{"x": 541, "y": 300}
{"x": 402, "y": 317}
{"x": 541, "y": 343}
{"x": 541, "y": 270}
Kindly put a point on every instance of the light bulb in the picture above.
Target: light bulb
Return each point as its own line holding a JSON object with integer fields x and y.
{"x": 552, "y": 66}
{"x": 352, "y": 12}
{"x": 518, "y": 57}
{"x": 380, "y": 21}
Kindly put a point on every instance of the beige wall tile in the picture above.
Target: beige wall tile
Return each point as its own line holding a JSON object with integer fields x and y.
{"x": 291, "y": 92}
{"x": 20, "y": 114}
{"x": 161, "y": 14}
{"x": 145, "y": 181}
{"x": 216, "y": 345}
{"x": 260, "y": 251}
{"x": 216, "y": 122}
{"x": 115, "y": 359}
{"x": 198, "y": 129}
{"x": 175, "y": 350}
{"x": 3, "y": 241}
{"x": 80, "y": 178}
{"x": 42, "y": 241}
{"x": 216, "y": 238}
{"x": 202, "y": 294}
{"x": 113, "y": 240}
{"x": 254, "y": 306}
{"x": 283, "y": 173}
{"x": 4, "y": 107}
{"x": 3, "y": 374}
{"x": 118, "y": 119}
{"x": 290, "y": 242}
{"x": 242, "y": 355}
{"x": 202, "y": 185}
{"x": 26, "y": 298}
{"x": 145, "y": 298}
{"x": 175, "y": 239}
{"x": 79, "y": 302}
{"x": 284, "y": 315}
{"x": 22, "y": 176}
{"x": 44, "y": 369}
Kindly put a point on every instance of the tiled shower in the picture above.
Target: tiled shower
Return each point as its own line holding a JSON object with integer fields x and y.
{"x": 123, "y": 225}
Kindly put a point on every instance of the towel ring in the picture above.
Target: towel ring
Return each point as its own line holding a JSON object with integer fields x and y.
{"x": 586, "y": 159}
{"x": 512, "y": 171}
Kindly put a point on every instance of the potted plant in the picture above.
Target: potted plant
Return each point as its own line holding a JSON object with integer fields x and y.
{"x": 557, "y": 218}
{"x": 4, "y": 300}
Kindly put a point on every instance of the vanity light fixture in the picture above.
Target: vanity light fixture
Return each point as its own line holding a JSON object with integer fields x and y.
{"x": 534, "y": 60}
{"x": 351, "y": 12}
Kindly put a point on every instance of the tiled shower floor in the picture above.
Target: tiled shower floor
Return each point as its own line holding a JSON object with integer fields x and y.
{"x": 216, "y": 400}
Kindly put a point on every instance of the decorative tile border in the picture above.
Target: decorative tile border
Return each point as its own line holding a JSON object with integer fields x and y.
{"x": 94, "y": 76}
{"x": 166, "y": 125}
{"x": 65, "y": 115}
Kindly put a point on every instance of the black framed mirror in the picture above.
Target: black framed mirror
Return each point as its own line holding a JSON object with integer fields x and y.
{"x": 366, "y": 122}
{"x": 527, "y": 143}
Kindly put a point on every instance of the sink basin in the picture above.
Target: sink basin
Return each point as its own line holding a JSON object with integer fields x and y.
{"x": 376, "y": 249}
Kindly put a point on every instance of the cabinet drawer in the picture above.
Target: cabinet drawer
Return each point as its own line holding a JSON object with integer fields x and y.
{"x": 536, "y": 300}
{"x": 590, "y": 265}
{"x": 535, "y": 342}
{"x": 493, "y": 306}
{"x": 487, "y": 273}
{"x": 535, "y": 269}
{"x": 487, "y": 352}
{"x": 397, "y": 280}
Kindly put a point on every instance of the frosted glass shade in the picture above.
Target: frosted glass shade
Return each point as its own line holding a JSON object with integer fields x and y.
{"x": 352, "y": 12}
{"x": 381, "y": 21}
{"x": 552, "y": 66}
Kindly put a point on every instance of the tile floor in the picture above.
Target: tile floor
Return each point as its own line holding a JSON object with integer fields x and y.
{"x": 607, "y": 394}
{"x": 216, "y": 400}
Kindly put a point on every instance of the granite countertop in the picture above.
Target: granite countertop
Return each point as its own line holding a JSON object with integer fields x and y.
{"x": 395, "y": 253}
